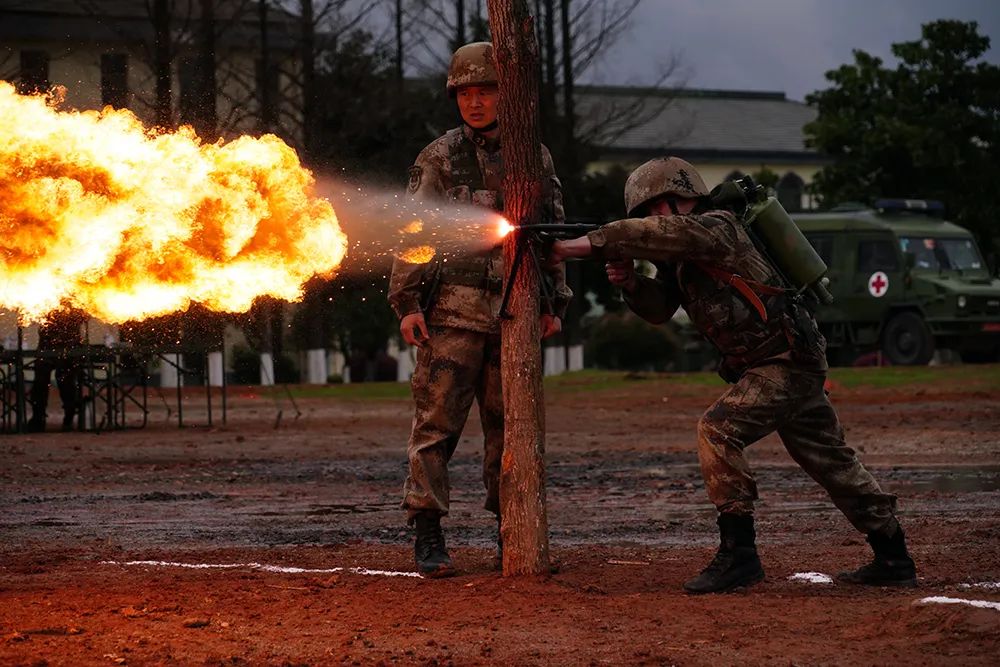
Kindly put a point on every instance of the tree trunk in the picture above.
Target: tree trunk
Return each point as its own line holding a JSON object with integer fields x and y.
{"x": 522, "y": 472}
{"x": 459, "y": 24}
{"x": 549, "y": 112}
{"x": 162, "y": 58}
{"x": 307, "y": 55}
{"x": 267, "y": 102}
{"x": 569, "y": 107}
{"x": 206, "y": 120}
{"x": 399, "y": 41}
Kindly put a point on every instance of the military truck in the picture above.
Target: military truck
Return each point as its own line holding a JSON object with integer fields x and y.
{"x": 905, "y": 282}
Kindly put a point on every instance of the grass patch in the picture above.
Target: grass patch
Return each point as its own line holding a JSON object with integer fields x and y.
{"x": 959, "y": 378}
{"x": 361, "y": 391}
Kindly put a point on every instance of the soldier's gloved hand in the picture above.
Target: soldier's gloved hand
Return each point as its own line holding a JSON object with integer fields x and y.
{"x": 621, "y": 273}
{"x": 550, "y": 325}
{"x": 414, "y": 329}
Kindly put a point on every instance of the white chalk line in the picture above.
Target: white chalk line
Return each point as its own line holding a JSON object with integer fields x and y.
{"x": 980, "y": 604}
{"x": 812, "y": 577}
{"x": 280, "y": 569}
{"x": 820, "y": 578}
{"x": 986, "y": 585}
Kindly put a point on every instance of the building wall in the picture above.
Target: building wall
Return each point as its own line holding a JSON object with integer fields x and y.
{"x": 716, "y": 172}
{"x": 78, "y": 69}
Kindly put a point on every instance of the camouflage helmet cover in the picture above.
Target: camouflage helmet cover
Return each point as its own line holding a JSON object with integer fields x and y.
{"x": 659, "y": 177}
{"x": 472, "y": 65}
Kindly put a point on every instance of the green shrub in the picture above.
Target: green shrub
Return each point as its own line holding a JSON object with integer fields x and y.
{"x": 622, "y": 341}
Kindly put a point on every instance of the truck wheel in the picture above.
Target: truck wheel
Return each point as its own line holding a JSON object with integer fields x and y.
{"x": 906, "y": 340}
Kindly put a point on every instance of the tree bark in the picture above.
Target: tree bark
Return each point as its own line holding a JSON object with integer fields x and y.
{"x": 522, "y": 472}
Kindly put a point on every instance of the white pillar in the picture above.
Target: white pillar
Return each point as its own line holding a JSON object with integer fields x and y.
{"x": 405, "y": 362}
{"x": 169, "y": 375}
{"x": 575, "y": 358}
{"x": 215, "y": 370}
{"x": 266, "y": 369}
{"x": 555, "y": 360}
{"x": 316, "y": 372}
{"x": 335, "y": 365}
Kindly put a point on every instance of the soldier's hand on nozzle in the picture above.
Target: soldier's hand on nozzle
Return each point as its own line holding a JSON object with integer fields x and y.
{"x": 550, "y": 325}
{"x": 414, "y": 329}
{"x": 621, "y": 273}
{"x": 562, "y": 250}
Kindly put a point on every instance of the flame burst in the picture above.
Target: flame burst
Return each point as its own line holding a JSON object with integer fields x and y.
{"x": 418, "y": 255}
{"x": 98, "y": 212}
{"x": 504, "y": 227}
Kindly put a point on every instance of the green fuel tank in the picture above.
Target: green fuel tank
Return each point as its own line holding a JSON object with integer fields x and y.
{"x": 788, "y": 248}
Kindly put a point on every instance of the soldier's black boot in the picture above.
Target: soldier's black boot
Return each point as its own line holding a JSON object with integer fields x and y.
{"x": 892, "y": 565}
{"x": 736, "y": 562}
{"x": 429, "y": 549}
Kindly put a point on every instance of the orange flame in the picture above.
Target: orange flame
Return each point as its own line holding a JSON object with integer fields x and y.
{"x": 98, "y": 212}
{"x": 418, "y": 255}
{"x": 504, "y": 227}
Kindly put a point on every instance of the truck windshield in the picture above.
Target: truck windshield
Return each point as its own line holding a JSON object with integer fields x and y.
{"x": 938, "y": 254}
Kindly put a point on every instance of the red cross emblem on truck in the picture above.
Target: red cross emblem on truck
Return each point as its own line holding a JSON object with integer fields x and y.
{"x": 878, "y": 284}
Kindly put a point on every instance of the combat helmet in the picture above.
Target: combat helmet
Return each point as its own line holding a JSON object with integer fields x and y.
{"x": 662, "y": 176}
{"x": 472, "y": 65}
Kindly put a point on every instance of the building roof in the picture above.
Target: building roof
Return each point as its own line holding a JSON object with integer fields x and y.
{"x": 702, "y": 124}
{"x": 130, "y": 21}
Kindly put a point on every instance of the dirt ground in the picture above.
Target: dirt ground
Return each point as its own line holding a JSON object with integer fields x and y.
{"x": 305, "y": 519}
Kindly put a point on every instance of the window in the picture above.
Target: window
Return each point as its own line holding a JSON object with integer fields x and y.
{"x": 34, "y": 76}
{"x": 945, "y": 254}
{"x": 790, "y": 189}
{"x": 823, "y": 246}
{"x": 877, "y": 256}
{"x": 114, "y": 80}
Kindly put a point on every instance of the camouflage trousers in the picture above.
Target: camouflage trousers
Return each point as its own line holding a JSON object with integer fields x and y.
{"x": 791, "y": 401}
{"x": 454, "y": 367}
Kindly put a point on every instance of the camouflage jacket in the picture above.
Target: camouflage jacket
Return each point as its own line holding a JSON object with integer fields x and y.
{"x": 468, "y": 289}
{"x": 680, "y": 246}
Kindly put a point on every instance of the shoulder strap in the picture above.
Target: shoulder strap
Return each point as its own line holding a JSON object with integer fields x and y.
{"x": 464, "y": 162}
{"x": 750, "y": 289}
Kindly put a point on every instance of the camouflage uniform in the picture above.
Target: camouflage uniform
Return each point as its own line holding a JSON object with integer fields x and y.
{"x": 461, "y": 361}
{"x": 778, "y": 365}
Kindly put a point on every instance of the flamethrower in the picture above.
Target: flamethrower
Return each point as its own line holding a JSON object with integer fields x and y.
{"x": 535, "y": 241}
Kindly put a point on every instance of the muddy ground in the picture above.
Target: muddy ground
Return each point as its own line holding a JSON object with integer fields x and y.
{"x": 629, "y": 523}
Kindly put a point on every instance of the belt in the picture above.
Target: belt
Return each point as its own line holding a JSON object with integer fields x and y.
{"x": 479, "y": 281}
{"x": 774, "y": 345}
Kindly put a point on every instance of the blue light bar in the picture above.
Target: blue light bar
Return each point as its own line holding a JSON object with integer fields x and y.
{"x": 916, "y": 205}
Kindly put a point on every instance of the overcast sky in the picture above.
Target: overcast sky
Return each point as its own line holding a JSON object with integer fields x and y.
{"x": 776, "y": 45}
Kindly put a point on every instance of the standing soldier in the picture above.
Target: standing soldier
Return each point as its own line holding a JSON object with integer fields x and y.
{"x": 57, "y": 338}
{"x": 772, "y": 353}
{"x": 450, "y": 310}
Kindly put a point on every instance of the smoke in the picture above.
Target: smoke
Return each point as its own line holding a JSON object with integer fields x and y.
{"x": 382, "y": 225}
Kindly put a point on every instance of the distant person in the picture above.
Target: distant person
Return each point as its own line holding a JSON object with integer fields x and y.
{"x": 58, "y": 337}
{"x": 450, "y": 310}
{"x": 773, "y": 354}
